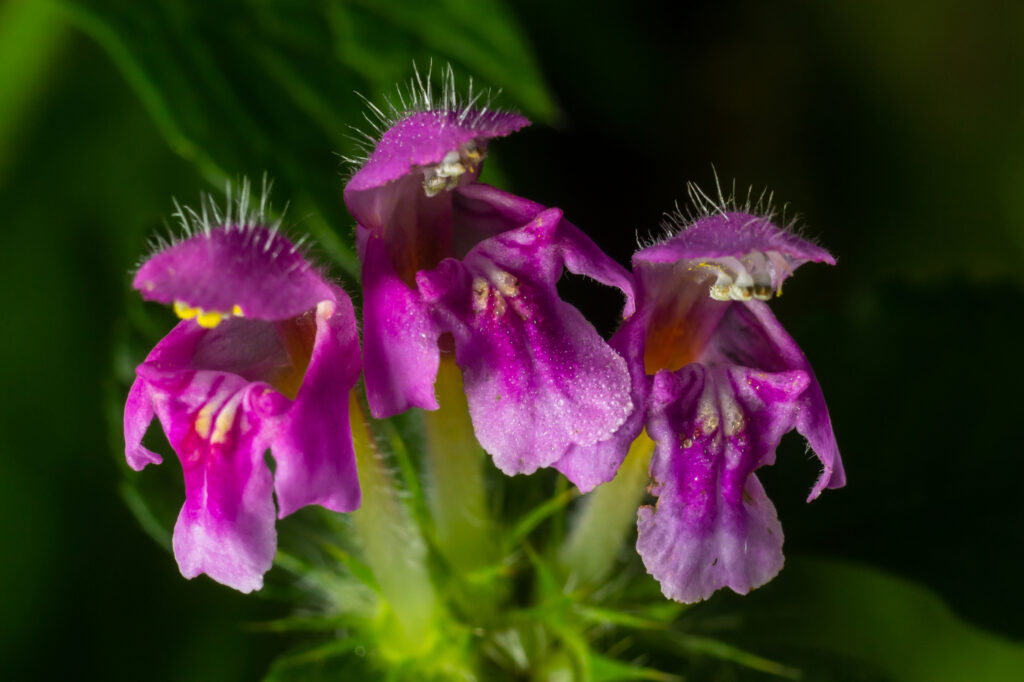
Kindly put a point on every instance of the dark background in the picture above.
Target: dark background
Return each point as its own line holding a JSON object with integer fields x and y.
{"x": 896, "y": 130}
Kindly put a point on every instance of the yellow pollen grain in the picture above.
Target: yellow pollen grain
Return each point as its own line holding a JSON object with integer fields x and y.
{"x": 208, "y": 319}
{"x": 182, "y": 310}
{"x": 237, "y": 310}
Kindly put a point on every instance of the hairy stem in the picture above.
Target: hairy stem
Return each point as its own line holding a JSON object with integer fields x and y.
{"x": 456, "y": 492}
{"x": 607, "y": 519}
{"x": 392, "y": 544}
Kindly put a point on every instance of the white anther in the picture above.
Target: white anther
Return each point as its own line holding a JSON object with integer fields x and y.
{"x": 758, "y": 274}
{"x": 445, "y": 175}
{"x": 743, "y": 288}
{"x": 757, "y": 265}
{"x": 723, "y": 280}
{"x": 763, "y": 290}
{"x": 433, "y": 184}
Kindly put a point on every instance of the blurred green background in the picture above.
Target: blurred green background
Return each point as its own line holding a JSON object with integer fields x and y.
{"x": 895, "y": 129}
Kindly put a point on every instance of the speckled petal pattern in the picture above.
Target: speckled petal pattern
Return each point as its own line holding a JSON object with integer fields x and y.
{"x": 713, "y": 526}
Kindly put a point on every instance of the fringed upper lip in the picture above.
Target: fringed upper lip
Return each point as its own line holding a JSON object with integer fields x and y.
{"x": 424, "y": 138}
{"x": 251, "y": 271}
{"x": 732, "y": 234}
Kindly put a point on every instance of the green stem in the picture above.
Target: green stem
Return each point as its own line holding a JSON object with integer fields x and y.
{"x": 392, "y": 544}
{"x": 456, "y": 492}
{"x": 607, "y": 519}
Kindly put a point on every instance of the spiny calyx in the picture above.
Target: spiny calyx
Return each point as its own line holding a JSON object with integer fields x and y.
{"x": 208, "y": 319}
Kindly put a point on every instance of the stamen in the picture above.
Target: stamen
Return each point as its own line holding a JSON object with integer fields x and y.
{"x": 182, "y": 310}
{"x": 743, "y": 288}
{"x": 446, "y": 174}
{"x": 207, "y": 319}
{"x": 756, "y": 275}
{"x": 720, "y": 289}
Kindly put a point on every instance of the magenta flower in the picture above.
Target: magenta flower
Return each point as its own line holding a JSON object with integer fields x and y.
{"x": 719, "y": 381}
{"x": 445, "y": 255}
{"x": 264, "y": 358}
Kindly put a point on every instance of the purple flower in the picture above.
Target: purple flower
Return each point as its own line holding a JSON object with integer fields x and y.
{"x": 452, "y": 263}
{"x": 264, "y": 357}
{"x": 720, "y": 381}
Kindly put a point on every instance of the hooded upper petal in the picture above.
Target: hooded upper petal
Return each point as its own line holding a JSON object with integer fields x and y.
{"x": 713, "y": 526}
{"x": 424, "y": 138}
{"x": 538, "y": 377}
{"x": 735, "y": 234}
{"x": 247, "y": 270}
{"x": 738, "y": 255}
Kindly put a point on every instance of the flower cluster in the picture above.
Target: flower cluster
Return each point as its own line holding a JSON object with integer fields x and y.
{"x": 267, "y": 355}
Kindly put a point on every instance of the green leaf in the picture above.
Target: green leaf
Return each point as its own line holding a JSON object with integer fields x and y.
{"x": 538, "y": 515}
{"x": 268, "y": 86}
{"x": 604, "y": 669}
{"x": 895, "y": 626}
{"x": 728, "y": 652}
{"x": 604, "y": 616}
{"x": 481, "y": 34}
{"x": 329, "y": 660}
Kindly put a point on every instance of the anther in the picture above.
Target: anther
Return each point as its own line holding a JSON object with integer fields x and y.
{"x": 723, "y": 282}
{"x": 208, "y": 319}
{"x": 184, "y": 311}
{"x": 445, "y": 175}
{"x": 758, "y": 274}
{"x": 743, "y": 288}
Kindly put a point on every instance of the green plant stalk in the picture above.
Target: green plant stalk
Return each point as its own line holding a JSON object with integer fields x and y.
{"x": 456, "y": 493}
{"x": 392, "y": 544}
{"x": 607, "y": 519}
